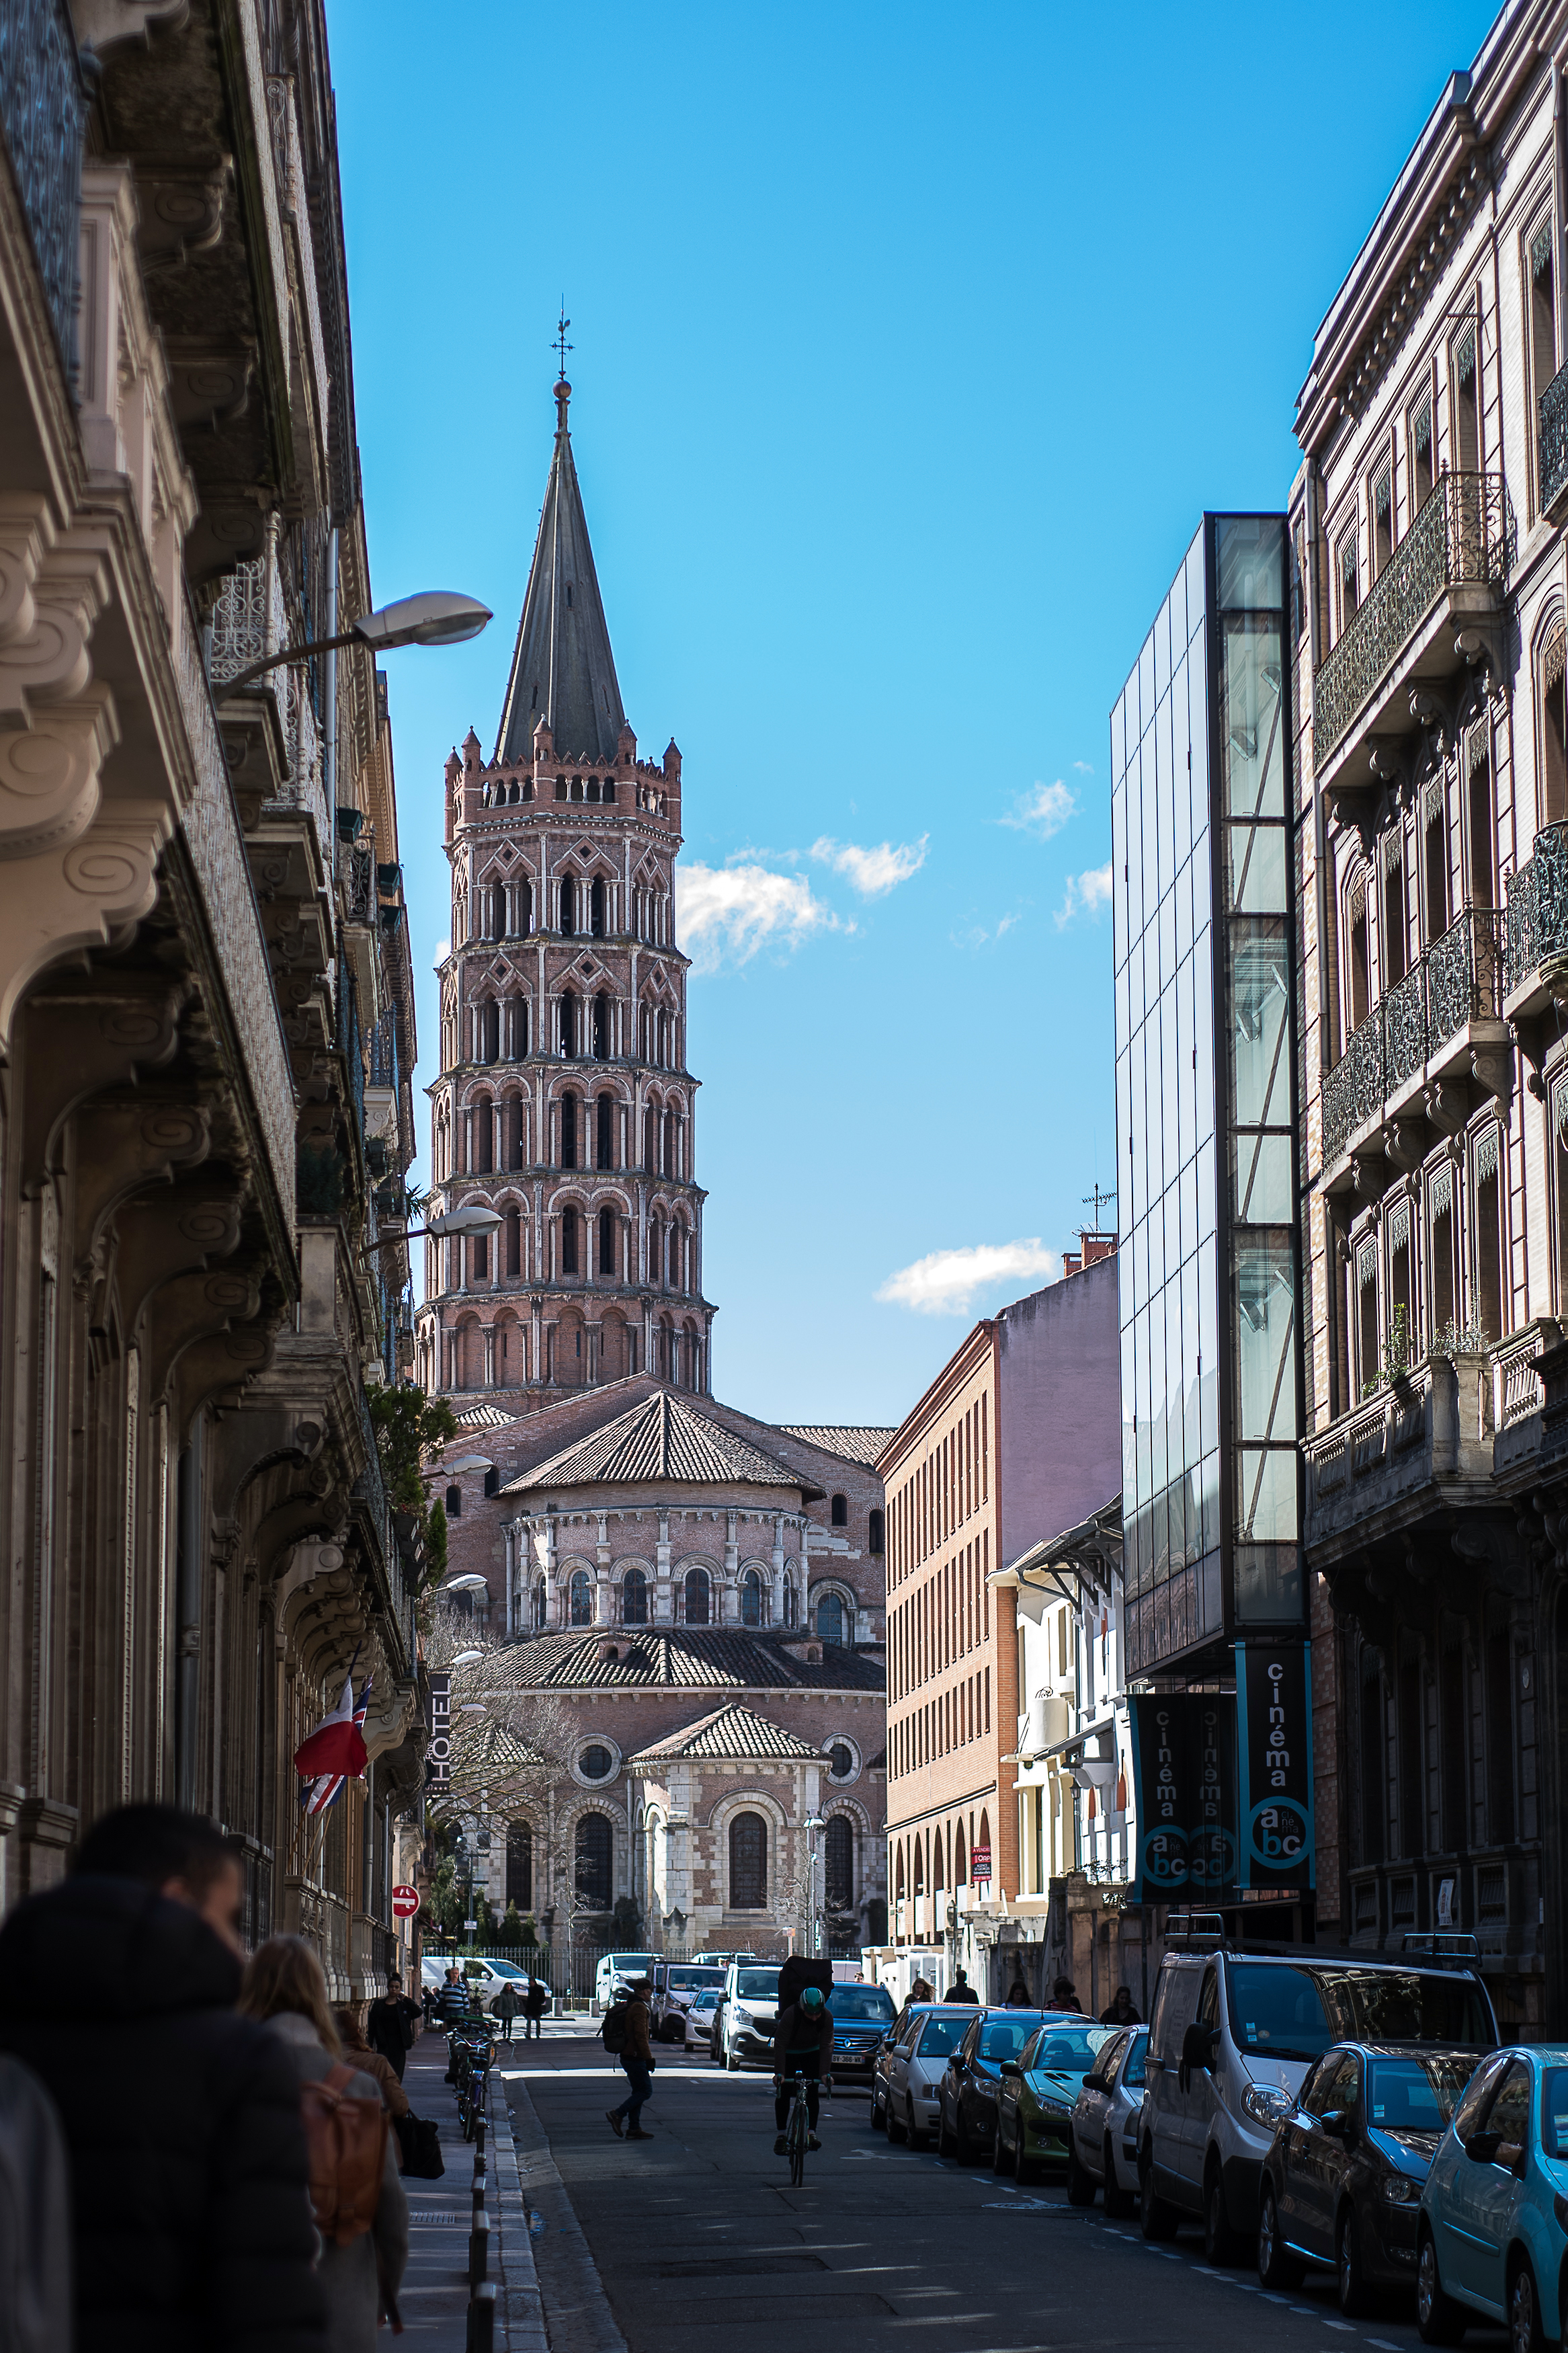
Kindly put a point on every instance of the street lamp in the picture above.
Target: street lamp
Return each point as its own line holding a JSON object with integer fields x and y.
{"x": 469, "y": 1217}
{"x": 469, "y": 1583}
{"x": 812, "y": 1824}
{"x": 437, "y": 616}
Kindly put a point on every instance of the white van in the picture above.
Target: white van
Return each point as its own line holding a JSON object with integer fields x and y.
{"x": 619, "y": 1968}
{"x": 1232, "y": 2031}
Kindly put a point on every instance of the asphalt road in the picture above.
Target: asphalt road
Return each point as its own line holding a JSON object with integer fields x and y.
{"x": 698, "y": 2240}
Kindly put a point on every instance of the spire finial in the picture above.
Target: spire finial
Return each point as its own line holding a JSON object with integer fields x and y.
{"x": 563, "y": 389}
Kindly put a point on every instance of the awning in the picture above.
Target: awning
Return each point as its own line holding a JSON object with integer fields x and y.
{"x": 1085, "y": 1559}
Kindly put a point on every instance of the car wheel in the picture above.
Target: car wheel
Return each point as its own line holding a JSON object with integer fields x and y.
{"x": 1082, "y": 2183}
{"x": 1118, "y": 2204}
{"x": 943, "y": 2138}
{"x": 1350, "y": 2280}
{"x": 1001, "y": 2155}
{"x": 1221, "y": 2244}
{"x": 732, "y": 2064}
{"x": 1438, "y": 2318}
{"x": 1278, "y": 2268}
{"x": 1025, "y": 2166}
{"x": 878, "y": 2113}
{"x": 890, "y": 2123}
{"x": 1157, "y": 2217}
{"x": 912, "y": 2132}
{"x": 1524, "y": 2331}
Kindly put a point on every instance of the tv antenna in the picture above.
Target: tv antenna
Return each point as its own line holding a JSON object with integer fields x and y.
{"x": 1100, "y": 1199}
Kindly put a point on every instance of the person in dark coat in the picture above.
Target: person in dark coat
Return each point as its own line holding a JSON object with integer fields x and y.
{"x": 961, "y": 1989}
{"x": 1122, "y": 2012}
{"x": 535, "y": 2002}
{"x": 189, "y": 2174}
{"x": 802, "y": 2045}
{"x": 392, "y": 2024}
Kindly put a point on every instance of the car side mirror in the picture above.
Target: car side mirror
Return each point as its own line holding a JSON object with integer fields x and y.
{"x": 1197, "y": 2051}
{"x": 1338, "y": 2122}
{"x": 1095, "y": 2083}
{"x": 1482, "y": 2148}
{"x": 1011, "y": 2067}
{"x": 956, "y": 2062}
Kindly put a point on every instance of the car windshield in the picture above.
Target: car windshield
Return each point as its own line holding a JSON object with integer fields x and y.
{"x": 1286, "y": 2012}
{"x": 623, "y": 1963}
{"x": 1133, "y": 2072}
{"x": 707, "y": 2000}
{"x": 1004, "y": 2038}
{"x": 1416, "y": 2094}
{"x": 862, "y": 2004}
{"x": 1554, "y": 2111}
{"x": 941, "y": 2035}
{"x": 1072, "y": 2053}
{"x": 505, "y": 1970}
{"x": 679, "y": 1980}
{"x": 757, "y": 1985}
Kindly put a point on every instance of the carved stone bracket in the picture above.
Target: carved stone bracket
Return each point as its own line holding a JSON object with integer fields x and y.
{"x": 78, "y": 897}
{"x": 87, "y": 1033}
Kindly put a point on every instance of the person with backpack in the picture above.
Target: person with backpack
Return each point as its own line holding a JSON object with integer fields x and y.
{"x": 392, "y": 2024}
{"x": 802, "y": 2045}
{"x": 361, "y": 2212}
{"x": 187, "y": 2155}
{"x": 626, "y": 2034}
{"x": 357, "y": 2052}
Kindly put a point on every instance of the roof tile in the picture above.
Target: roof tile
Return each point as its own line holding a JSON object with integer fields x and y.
{"x": 732, "y": 1731}
{"x": 663, "y": 1438}
{"x": 689, "y": 1657}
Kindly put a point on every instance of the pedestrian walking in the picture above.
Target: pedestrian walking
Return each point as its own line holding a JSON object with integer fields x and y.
{"x": 1122, "y": 2012}
{"x": 920, "y": 1991}
{"x": 361, "y": 2269}
{"x": 637, "y": 2059}
{"x": 358, "y": 2052}
{"x": 392, "y": 2024}
{"x": 1064, "y": 1996}
{"x": 961, "y": 1989}
{"x": 1019, "y": 1995}
{"x": 505, "y": 2007}
{"x": 187, "y": 2155}
{"x": 535, "y": 2002}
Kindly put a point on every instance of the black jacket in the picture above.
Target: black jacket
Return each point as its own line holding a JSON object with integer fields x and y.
{"x": 192, "y": 2225}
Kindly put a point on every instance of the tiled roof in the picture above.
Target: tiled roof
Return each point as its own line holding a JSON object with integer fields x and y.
{"x": 484, "y": 1417}
{"x": 855, "y": 1443}
{"x": 733, "y": 1731}
{"x": 717, "y": 1658}
{"x": 663, "y": 1438}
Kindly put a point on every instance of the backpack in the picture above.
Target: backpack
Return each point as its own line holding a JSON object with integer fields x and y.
{"x": 613, "y": 2034}
{"x": 346, "y": 2140}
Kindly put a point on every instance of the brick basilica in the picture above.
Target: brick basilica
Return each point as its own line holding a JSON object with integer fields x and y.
{"x": 705, "y": 1590}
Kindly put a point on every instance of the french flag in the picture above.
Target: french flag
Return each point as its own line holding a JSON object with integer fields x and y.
{"x": 335, "y": 1752}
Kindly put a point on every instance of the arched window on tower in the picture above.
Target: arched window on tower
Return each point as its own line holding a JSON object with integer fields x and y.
{"x": 568, "y": 909}
{"x": 633, "y": 1598}
{"x": 749, "y": 1864}
{"x": 876, "y": 1541}
{"x": 596, "y": 908}
{"x": 489, "y": 1032}
{"x": 568, "y": 1241}
{"x": 830, "y": 1617}
{"x": 525, "y": 908}
{"x": 656, "y": 1253}
{"x": 569, "y": 1029}
{"x": 606, "y": 1242}
{"x": 649, "y": 1120}
{"x": 604, "y": 1131}
{"x": 513, "y": 1244}
{"x": 699, "y": 1597}
{"x": 569, "y": 1131}
{"x": 666, "y": 1162}
{"x": 601, "y": 1026}
{"x": 580, "y": 1598}
{"x": 541, "y": 1602}
{"x": 752, "y": 1612}
{"x": 840, "y": 1511}
{"x": 454, "y": 1502}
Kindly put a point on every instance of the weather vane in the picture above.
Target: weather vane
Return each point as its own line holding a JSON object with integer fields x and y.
{"x": 561, "y": 345}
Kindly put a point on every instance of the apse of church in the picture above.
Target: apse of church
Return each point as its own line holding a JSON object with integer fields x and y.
{"x": 563, "y": 1101}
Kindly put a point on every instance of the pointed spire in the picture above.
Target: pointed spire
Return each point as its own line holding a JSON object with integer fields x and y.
{"x": 563, "y": 670}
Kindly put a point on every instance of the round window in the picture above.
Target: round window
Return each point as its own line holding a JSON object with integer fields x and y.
{"x": 597, "y": 1762}
{"x": 840, "y": 1762}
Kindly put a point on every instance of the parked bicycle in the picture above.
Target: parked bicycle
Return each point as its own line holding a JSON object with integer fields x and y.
{"x": 470, "y": 2055}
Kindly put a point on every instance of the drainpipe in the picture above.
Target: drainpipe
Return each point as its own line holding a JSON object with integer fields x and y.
{"x": 188, "y": 1614}
{"x": 330, "y": 713}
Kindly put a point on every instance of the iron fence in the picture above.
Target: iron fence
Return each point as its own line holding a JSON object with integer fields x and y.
{"x": 1459, "y": 979}
{"x": 1552, "y": 441}
{"x": 1538, "y": 906}
{"x": 43, "y": 107}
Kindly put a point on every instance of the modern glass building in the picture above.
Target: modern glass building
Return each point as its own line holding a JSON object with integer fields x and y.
{"x": 1206, "y": 1079}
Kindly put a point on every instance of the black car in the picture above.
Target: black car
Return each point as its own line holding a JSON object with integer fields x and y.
{"x": 1342, "y": 2181}
{"x": 863, "y": 2018}
{"x": 966, "y": 2116}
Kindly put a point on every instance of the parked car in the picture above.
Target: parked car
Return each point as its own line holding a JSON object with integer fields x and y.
{"x": 966, "y": 2105}
{"x": 1231, "y": 2037}
{"x": 484, "y": 1978}
{"x": 619, "y": 1968}
{"x": 1038, "y": 2091}
{"x": 1342, "y": 2178}
{"x": 862, "y": 2019}
{"x": 674, "y": 1984}
{"x": 1490, "y": 2236}
{"x": 1103, "y": 2153}
{"x": 697, "y": 2018}
{"x": 744, "y": 2022}
{"x": 906, "y": 2079}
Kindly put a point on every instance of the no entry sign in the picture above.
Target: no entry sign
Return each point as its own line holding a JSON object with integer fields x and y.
{"x": 404, "y": 1903}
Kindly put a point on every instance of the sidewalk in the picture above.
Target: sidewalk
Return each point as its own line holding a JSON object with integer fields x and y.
{"x": 434, "y": 2299}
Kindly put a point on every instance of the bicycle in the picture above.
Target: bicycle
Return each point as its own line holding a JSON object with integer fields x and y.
{"x": 797, "y": 2130}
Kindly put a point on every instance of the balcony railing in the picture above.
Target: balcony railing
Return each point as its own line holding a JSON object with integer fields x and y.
{"x": 1458, "y": 980}
{"x": 42, "y": 108}
{"x": 1538, "y": 906}
{"x": 1464, "y": 535}
{"x": 1552, "y": 444}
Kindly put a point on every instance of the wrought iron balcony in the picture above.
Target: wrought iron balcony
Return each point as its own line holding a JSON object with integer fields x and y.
{"x": 42, "y": 108}
{"x": 1538, "y": 908}
{"x": 1457, "y": 981}
{"x": 1463, "y": 536}
{"x": 1553, "y": 444}
{"x": 1419, "y": 1441}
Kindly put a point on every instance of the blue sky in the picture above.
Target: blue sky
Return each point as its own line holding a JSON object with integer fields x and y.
{"x": 910, "y": 342}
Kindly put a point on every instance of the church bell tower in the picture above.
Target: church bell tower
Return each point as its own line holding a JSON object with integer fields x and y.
{"x": 563, "y": 1101}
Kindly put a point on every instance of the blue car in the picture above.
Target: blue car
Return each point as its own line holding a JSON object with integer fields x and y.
{"x": 1493, "y": 2230}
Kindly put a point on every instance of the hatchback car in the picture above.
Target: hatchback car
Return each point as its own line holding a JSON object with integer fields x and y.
{"x": 1103, "y": 2153}
{"x": 1342, "y": 2181}
{"x": 906, "y": 2082}
{"x": 697, "y": 2019}
{"x": 1039, "y": 2089}
{"x": 966, "y": 2108}
{"x": 1491, "y": 2235}
{"x": 675, "y": 1985}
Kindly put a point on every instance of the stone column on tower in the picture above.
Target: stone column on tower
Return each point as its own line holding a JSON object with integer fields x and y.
{"x": 563, "y": 1101}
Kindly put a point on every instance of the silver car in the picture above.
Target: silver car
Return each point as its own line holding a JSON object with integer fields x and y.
{"x": 1103, "y": 2151}
{"x": 906, "y": 2081}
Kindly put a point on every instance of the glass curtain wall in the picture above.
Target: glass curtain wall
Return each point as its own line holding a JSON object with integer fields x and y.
{"x": 1209, "y": 1389}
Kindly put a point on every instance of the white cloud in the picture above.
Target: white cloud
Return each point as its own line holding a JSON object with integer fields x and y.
{"x": 983, "y": 935}
{"x": 443, "y": 950}
{"x": 1044, "y": 809}
{"x": 1088, "y": 894}
{"x": 945, "y": 1283}
{"x": 725, "y": 914}
{"x": 872, "y": 871}
{"x": 1083, "y": 768}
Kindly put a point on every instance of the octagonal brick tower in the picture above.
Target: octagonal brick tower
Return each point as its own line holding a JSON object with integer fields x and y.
{"x": 563, "y": 1101}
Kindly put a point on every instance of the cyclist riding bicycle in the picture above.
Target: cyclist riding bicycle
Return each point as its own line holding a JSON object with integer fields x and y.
{"x": 802, "y": 2045}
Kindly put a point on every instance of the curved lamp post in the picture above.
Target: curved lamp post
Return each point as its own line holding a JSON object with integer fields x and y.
{"x": 436, "y": 616}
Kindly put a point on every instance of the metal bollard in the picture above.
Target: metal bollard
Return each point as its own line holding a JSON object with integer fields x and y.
{"x": 482, "y": 2319}
{"x": 478, "y": 2198}
{"x": 480, "y": 2137}
{"x": 479, "y": 2248}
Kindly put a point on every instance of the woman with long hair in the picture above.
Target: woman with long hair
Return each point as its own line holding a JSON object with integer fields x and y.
{"x": 285, "y": 1988}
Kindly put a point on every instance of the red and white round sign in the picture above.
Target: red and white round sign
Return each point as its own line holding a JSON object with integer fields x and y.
{"x": 404, "y": 1903}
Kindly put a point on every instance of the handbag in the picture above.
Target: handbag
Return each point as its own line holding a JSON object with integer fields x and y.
{"x": 419, "y": 2138}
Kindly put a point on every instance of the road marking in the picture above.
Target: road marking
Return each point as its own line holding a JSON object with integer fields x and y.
{"x": 1338, "y": 2324}
{"x": 939, "y": 2319}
